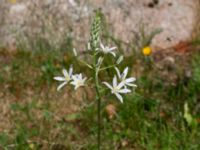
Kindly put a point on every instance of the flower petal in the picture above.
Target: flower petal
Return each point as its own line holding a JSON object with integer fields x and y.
{"x": 133, "y": 85}
{"x": 108, "y": 85}
{"x": 59, "y": 78}
{"x": 84, "y": 79}
{"x": 74, "y": 77}
{"x": 112, "y": 48}
{"x": 70, "y": 70}
{"x": 120, "y": 85}
{"x": 61, "y": 85}
{"x": 76, "y": 87}
{"x": 131, "y": 79}
{"x": 80, "y": 76}
{"x": 113, "y": 54}
{"x": 73, "y": 82}
{"x": 124, "y": 91}
{"x": 119, "y": 97}
{"x": 125, "y": 72}
{"x": 114, "y": 81}
{"x": 102, "y": 46}
{"x": 65, "y": 73}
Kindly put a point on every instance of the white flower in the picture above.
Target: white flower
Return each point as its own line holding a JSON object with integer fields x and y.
{"x": 123, "y": 79}
{"x": 117, "y": 89}
{"x": 107, "y": 50}
{"x": 78, "y": 80}
{"x": 65, "y": 79}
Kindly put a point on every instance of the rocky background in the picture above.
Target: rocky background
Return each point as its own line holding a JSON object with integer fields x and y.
{"x": 58, "y": 20}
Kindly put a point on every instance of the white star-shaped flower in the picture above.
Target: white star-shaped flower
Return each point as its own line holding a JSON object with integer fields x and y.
{"x": 65, "y": 79}
{"x": 78, "y": 80}
{"x": 122, "y": 76}
{"x": 107, "y": 50}
{"x": 117, "y": 89}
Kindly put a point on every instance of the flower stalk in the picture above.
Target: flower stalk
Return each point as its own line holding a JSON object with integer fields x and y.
{"x": 94, "y": 43}
{"x": 96, "y": 50}
{"x": 98, "y": 99}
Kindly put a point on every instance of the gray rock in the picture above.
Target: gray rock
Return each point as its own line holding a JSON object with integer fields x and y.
{"x": 177, "y": 18}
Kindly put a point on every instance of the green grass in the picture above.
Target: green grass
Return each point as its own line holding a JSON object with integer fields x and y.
{"x": 39, "y": 117}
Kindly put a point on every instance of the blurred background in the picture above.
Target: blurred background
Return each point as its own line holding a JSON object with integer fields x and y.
{"x": 36, "y": 41}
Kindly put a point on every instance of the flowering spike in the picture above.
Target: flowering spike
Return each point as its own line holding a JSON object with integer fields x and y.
{"x": 95, "y": 31}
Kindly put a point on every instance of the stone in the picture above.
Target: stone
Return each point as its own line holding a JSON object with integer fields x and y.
{"x": 176, "y": 18}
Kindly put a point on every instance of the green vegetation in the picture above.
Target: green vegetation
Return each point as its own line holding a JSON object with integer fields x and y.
{"x": 37, "y": 117}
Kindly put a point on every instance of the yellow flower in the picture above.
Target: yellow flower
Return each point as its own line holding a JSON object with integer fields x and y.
{"x": 147, "y": 51}
{"x": 13, "y": 1}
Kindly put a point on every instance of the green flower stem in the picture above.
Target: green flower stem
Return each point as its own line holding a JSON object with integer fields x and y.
{"x": 98, "y": 99}
{"x": 94, "y": 43}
